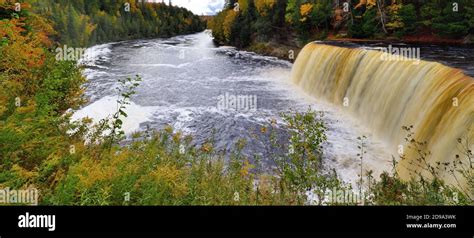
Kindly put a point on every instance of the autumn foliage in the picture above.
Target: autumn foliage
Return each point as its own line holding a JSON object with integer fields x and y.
{"x": 77, "y": 163}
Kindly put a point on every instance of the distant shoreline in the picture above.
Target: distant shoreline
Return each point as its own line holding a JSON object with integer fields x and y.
{"x": 412, "y": 39}
{"x": 282, "y": 50}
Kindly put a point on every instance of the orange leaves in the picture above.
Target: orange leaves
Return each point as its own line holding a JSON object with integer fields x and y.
{"x": 368, "y": 3}
{"x": 11, "y": 29}
{"x": 22, "y": 51}
{"x": 306, "y": 9}
{"x": 207, "y": 148}
{"x": 41, "y": 30}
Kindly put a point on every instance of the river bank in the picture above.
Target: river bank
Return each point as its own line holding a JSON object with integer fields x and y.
{"x": 289, "y": 49}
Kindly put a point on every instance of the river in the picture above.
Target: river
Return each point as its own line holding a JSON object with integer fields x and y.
{"x": 184, "y": 81}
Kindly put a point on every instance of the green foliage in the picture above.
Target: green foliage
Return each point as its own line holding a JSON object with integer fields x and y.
{"x": 263, "y": 21}
{"x": 60, "y": 88}
{"x": 366, "y": 26}
{"x": 81, "y": 23}
{"x": 408, "y": 18}
{"x": 292, "y": 15}
{"x": 445, "y": 21}
{"x": 450, "y": 23}
{"x": 250, "y": 23}
{"x": 300, "y": 170}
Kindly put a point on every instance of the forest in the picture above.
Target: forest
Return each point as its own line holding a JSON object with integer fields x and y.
{"x": 246, "y": 22}
{"x": 77, "y": 163}
{"x": 84, "y": 23}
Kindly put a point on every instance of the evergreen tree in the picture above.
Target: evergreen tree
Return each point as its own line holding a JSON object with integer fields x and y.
{"x": 99, "y": 21}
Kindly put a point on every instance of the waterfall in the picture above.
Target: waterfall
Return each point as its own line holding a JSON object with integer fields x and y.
{"x": 384, "y": 95}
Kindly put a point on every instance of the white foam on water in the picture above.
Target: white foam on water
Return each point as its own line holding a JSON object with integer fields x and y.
{"x": 107, "y": 106}
{"x": 182, "y": 117}
{"x": 92, "y": 73}
{"x": 176, "y": 66}
{"x": 94, "y": 53}
{"x": 185, "y": 116}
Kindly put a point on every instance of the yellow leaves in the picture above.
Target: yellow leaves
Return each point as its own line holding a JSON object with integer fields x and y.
{"x": 3, "y": 109}
{"x": 305, "y": 11}
{"x": 243, "y": 5}
{"x": 188, "y": 21}
{"x": 166, "y": 173}
{"x": 368, "y": 3}
{"x": 263, "y": 6}
{"x": 154, "y": 14}
{"x": 371, "y": 3}
{"x": 221, "y": 25}
{"x": 394, "y": 25}
{"x": 273, "y": 122}
{"x": 133, "y": 5}
{"x": 23, "y": 173}
{"x": 89, "y": 175}
{"x": 87, "y": 120}
{"x": 136, "y": 168}
{"x": 228, "y": 23}
{"x": 58, "y": 173}
{"x": 394, "y": 8}
{"x": 88, "y": 29}
{"x": 246, "y": 167}
{"x": 91, "y": 171}
{"x": 168, "y": 129}
{"x": 26, "y": 109}
{"x": 171, "y": 177}
{"x": 11, "y": 5}
{"x": 177, "y": 137}
{"x": 395, "y": 21}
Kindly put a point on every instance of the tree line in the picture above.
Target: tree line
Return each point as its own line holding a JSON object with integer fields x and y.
{"x": 89, "y": 22}
{"x": 242, "y": 22}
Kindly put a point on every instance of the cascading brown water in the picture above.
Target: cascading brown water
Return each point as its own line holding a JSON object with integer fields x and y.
{"x": 437, "y": 100}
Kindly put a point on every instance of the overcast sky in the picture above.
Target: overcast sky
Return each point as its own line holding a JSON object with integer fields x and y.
{"x": 199, "y": 7}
